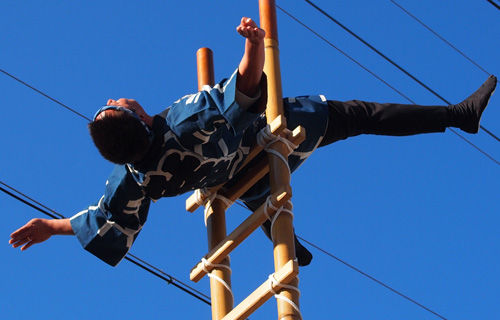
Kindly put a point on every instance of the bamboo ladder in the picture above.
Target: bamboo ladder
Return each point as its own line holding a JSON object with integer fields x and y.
{"x": 216, "y": 262}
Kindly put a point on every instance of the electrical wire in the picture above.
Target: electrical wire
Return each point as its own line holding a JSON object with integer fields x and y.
{"x": 180, "y": 285}
{"x": 45, "y": 95}
{"x": 129, "y": 257}
{"x": 494, "y": 4}
{"x": 383, "y": 81}
{"x": 361, "y": 272}
{"x": 352, "y": 59}
{"x": 440, "y": 37}
{"x": 200, "y": 296}
{"x": 345, "y": 54}
{"x": 388, "y": 59}
{"x": 170, "y": 279}
{"x": 372, "y": 278}
{"x": 29, "y": 204}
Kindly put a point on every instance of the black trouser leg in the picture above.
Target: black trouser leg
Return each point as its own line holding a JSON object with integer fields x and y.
{"x": 352, "y": 118}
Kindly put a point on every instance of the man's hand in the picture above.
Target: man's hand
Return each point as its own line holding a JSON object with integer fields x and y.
{"x": 39, "y": 230}
{"x": 249, "y": 29}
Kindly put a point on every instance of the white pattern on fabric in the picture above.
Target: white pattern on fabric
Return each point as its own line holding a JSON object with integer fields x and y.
{"x": 200, "y": 141}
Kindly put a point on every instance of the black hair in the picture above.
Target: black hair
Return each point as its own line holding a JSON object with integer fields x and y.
{"x": 120, "y": 138}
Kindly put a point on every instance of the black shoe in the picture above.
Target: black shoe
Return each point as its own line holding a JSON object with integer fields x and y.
{"x": 304, "y": 257}
{"x": 467, "y": 114}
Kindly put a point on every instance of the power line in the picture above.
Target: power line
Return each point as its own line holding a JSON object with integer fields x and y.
{"x": 130, "y": 257}
{"x": 474, "y": 146}
{"x": 345, "y": 54}
{"x": 383, "y": 81}
{"x": 168, "y": 278}
{"x": 493, "y": 3}
{"x": 361, "y": 272}
{"x": 355, "y": 61}
{"x": 29, "y": 204}
{"x": 388, "y": 59}
{"x": 133, "y": 259}
{"x": 43, "y": 94}
{"x": 311, "y": 30}
{"x": 440, "y": 37}
{"x": 372, "y": 278}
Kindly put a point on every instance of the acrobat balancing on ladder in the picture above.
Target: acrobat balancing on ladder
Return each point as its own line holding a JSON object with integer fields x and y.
{"x": 201, "y": 140}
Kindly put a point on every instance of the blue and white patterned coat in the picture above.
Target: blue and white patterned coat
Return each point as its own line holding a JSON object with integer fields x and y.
{"x": 200, "y": 141}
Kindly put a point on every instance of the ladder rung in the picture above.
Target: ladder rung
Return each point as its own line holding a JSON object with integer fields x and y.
{"x": 255, "y": 220}
{"x": 257, "y": 298}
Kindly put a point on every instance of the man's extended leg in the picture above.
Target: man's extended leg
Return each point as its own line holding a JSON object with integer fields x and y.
{"x": 352, "y": 118}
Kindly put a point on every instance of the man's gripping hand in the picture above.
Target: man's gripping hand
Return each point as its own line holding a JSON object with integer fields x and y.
{"x": 249, "y": 29}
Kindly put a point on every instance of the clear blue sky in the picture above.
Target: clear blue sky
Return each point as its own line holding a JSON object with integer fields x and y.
{"x": 420, "y": 214}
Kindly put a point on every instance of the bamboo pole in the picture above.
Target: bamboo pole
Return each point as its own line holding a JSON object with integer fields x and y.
{"x": 222, "y": 299}
{"x": 284, "y": 245}
{"x": 251, "y": 223}
{"x": 262, "y": 293}
{"x": 205, "y": 67}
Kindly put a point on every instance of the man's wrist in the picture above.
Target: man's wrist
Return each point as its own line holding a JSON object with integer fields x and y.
{"x": 60, "y": 227}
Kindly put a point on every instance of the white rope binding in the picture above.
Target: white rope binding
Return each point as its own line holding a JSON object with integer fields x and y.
{"x": 269, "y": 204}
{"x": 203, "y": 196}
{"x": 206, "y": 263}
{"x": 273, "y": 281}
{"x": 266, "y": 135}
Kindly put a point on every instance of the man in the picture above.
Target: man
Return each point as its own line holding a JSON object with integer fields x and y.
{"x": 201, "y": 140}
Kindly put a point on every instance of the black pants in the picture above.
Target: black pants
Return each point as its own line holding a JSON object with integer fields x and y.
{"x": 352, "y": 118}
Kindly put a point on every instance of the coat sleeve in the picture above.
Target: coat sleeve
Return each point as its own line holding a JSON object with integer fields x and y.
{"x": 194, "y": 118}
{"x": 109, "y": 228}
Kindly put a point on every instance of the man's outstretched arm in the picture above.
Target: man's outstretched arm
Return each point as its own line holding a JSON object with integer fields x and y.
{"x": 252, "y": 64}
{"x": 39, "y": 230}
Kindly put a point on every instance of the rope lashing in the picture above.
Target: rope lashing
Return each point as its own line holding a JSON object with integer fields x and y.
{"x": 269, "y": 204}
{"x": 206, "y": 263}
{"x": 273, "y": 281}
{"x": 265, "y": 138}
{"x": 203, "y": 196}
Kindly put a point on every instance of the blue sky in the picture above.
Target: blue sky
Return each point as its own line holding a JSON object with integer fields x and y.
{"x": 420, "y": 214}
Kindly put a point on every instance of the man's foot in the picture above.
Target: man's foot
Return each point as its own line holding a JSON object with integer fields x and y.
{"x": 467, "y": 114}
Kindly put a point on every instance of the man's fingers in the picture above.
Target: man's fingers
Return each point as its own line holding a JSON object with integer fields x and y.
{"x": 18, "y": 231}
{"x": 27, "y": 245}
{"x": 18, "y": 243}
{"x": 247, "y": 22}
{"x": 249, "y": 32}
{"x": 20, "y": 237}
{"x": 21, "y": 233}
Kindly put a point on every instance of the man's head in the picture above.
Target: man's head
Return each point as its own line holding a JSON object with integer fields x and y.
{"x": 120, "y": 132}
